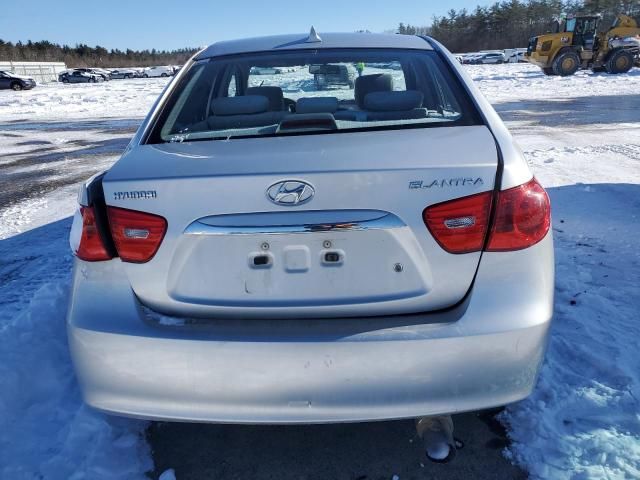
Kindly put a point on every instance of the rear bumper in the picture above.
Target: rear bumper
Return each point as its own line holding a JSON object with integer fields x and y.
{"x": 483, "y": 353}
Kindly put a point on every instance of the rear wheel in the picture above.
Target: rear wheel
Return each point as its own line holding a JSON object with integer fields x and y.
{"x": 620, "y": 61}
{"x": 16, "y": 86}
{"x": 163, "y": 75}
{"x": 567, "y": 63}
{"x": 548, "y": 71}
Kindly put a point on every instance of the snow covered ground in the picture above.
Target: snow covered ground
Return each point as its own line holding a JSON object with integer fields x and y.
{"x": 55, "y": 101}
{"x": 580, "y": 134}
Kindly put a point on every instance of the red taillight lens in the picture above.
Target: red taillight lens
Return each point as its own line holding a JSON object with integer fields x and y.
{"x": 522, "y": 219}
{"x": 136, "y": 235}
{"x": 460, "y": 226}
{"x": 90, "y": 247}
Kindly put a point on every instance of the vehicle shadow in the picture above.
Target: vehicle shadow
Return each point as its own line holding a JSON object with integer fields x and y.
{"x": 30, "y": 259}
{"x": 359, "y": 451}
{"x": 604, "y": 109}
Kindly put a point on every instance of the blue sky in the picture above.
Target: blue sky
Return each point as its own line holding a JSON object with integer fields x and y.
{"x": 163, "y": 24}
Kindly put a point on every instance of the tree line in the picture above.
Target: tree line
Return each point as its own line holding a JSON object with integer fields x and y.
{"x": 85, "y": 56}
{"x": 510, "y": 24}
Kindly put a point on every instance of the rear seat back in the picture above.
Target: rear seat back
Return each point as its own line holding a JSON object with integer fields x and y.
{"x": 401, "y": 105}
{"x": 245, "y": 105}
{"x": 242, "y": 112}
{"x": 273, "y": 94}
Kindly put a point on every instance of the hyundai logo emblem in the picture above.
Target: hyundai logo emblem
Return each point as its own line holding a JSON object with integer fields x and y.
{"x": 290, "y": 193}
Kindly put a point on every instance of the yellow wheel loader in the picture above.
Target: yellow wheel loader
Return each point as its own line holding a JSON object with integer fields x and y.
{"x": 578, "y": 45}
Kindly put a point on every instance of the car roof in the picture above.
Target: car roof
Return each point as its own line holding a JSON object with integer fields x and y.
{"x": 300, "y": 42}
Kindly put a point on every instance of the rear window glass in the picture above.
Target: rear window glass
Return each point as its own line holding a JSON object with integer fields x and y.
{"x": 305, "y": 92}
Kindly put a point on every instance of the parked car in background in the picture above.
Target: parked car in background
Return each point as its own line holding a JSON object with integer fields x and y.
{"x": 330, "y": 75}
{"x": 125, "y": 73}
{"x": 77, "y": 76}
{"x": 366, "y": 254}
{"x": 469, "y": 58}
{"x": 105, "y": 74}
{"x": 161, "y": 71}
{"x": 271, "y": 70}
{"x": 265, "y": 71}
{"x": 490, "y": 58}
{"x": 514, "y": 55}
{"x": 15, "y": 82}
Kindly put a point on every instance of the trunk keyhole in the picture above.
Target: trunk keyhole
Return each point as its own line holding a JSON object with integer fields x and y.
{"x": 332, "y": 257}
{"x": 261, "y": 260}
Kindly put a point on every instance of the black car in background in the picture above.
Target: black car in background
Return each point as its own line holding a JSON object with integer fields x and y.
{"x": 77, "y": 76}
{"x": 15, "y": 82}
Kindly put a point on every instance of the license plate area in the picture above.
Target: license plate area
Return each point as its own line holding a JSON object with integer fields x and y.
{"x": 308, "y": 264}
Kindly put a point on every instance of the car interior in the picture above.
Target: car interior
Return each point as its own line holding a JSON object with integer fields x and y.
{"x": 237, "y": 104}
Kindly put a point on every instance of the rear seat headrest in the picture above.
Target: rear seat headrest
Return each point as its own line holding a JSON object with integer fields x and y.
{"x": 246, "y": 105}
{"x": 317, "y": 105}
{"x": 400, "y": 101}
{"x": 274, "y": 95}
{"x": 378, "y": 82}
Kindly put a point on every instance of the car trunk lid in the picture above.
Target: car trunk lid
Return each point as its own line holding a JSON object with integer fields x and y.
{"x": 308, "y": 225}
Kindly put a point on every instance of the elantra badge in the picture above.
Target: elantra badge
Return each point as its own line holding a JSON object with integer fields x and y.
{"x": 290, "y": 193}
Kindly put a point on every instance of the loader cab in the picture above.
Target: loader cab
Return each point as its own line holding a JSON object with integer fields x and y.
{"x": 584, "y": 31}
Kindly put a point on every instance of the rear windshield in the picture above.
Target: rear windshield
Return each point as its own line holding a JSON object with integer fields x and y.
{"x": 307, "y": 92}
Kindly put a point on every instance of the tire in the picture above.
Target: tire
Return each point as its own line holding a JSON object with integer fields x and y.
{"x": 16, "y": 87}
{"x": 163, "y": 75}
{"x": 65, "y": 80}
{"x": 548, "y": 71}
{"x": 145, "y": 75}
{"x": 566, "y": 63}
{"x": 127, "y": 76}
{"x": 620, "y": 61}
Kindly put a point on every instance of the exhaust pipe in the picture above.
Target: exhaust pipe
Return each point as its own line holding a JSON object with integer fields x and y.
{"x": 437, "y": 437}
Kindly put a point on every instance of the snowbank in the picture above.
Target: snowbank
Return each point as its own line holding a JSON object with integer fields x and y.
{"x": 583, "y": 419}
{"x": 45, "y": 430}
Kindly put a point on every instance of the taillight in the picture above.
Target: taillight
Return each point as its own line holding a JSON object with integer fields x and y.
{"x": 522, "y": 219}
{"x": 90, "y": 247}
{"x": 460, "y": 226}
{"x": 136, "y": 235}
